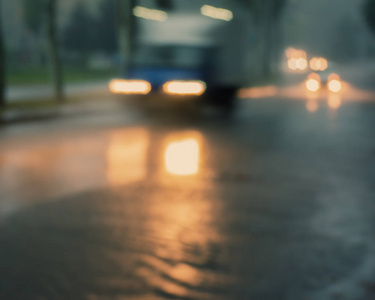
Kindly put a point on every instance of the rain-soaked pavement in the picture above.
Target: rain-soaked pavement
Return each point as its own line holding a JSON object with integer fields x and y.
{"x": 274, "y": 202}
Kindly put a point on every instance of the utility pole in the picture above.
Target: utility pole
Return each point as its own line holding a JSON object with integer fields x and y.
{"x": 125, "y": 29}
{"x": 53, "y": 49}
{"x": 2, "y": 63}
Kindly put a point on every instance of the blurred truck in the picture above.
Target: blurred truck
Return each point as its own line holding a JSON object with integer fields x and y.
{"x": 203, "y": 54}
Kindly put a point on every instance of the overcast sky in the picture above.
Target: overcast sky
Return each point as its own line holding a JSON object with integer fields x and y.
{"x": 315, "y": 24}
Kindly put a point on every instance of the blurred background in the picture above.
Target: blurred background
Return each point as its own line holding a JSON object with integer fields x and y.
{"x": 75, "y": 42}
{"x": 174, "y": 149}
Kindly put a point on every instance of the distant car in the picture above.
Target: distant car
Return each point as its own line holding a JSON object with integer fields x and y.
{"x": 324, "y": 79}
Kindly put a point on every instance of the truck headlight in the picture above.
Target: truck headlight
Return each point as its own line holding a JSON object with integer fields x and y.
{"x": 121, "y": 86}
{"x": 179, "y": 87}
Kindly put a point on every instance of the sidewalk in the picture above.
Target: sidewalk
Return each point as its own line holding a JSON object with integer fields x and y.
{"x": 81, "y": 99}
{"x": 70, "y": 109}
{"x": 32, "y": 92}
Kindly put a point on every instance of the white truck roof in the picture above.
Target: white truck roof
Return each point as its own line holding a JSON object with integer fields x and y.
{"x": 181, "y": 29}
{"x": 229, "y": 41}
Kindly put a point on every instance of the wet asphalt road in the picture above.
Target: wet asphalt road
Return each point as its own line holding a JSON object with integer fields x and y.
{"x": 276, "y": 201}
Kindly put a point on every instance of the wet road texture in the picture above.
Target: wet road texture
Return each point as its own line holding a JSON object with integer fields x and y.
{"x": 276, "y": 201}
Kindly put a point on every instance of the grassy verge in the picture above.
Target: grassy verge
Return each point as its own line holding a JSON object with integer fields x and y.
{"x": 40, "y": 75}
{"x": 31, "y": 105}
{"x": 48, "y": 103}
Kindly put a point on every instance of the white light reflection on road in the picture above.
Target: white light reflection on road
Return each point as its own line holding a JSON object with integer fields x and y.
{"x": 334, "y": 101}
{"x": 182, "y": 154}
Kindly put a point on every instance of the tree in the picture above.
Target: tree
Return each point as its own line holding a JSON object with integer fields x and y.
{"x": 275, "y": 43}
{"x": 165, "y": 4}
{"x": 53, "y": 48}
{"x": 126, "y": 28}
{"x": 369, "y": 14}
{"x": 33, "y": 12}
{"x": 266, "y": 15}
{"x": 2, "y": 63}
{"x": 264, "y": 10}
{"x": 80, "y": 35}
{"x": 106, "y": 37}
{"x": 125, "y": 31}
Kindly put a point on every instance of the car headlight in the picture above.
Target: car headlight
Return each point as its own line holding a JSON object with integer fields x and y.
{"x": 313, "y": 85}
{"x": 334, "y": 83}
{"x": 335, "y": 86}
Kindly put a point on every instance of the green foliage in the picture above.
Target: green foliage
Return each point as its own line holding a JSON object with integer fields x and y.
{"x": 274, "y": 8}
{"x": 22, "y": 75}
{"x": 86, "y": 33}
{"x": 80, "y": 34}
{"x": 165, "y": 4}
{"x": 2, "y": 63}
{"x": 33, "y": 11}
{"x": 253, "y": 5}
{"x": 106, "y": 35}
{"x": 279, "y": 6}
{"x": 369, "y": 14}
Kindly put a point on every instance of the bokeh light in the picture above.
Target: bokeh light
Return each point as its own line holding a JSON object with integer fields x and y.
{"x": 216, "y": 13}
{"x": 312, "y": 85}
{"x": 150, "y": 14}
{"x": 121, "y": 86}
{"x": 318, "y": 64}
{"x": 182, "y": 157}
{"x": 176, "y": 87}
{"x": 335, "y": 85}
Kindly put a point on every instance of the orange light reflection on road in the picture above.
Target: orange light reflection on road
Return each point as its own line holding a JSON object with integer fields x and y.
{"x": 258, "y": 92}
{"x": 121, "y": 86}
{"x": 312, "y": 105}
{"x": 186, "y": 274}
{"x": 334, "y": 101}
{"x": 127, "y": 156}
{"x": 186, "y": 230}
